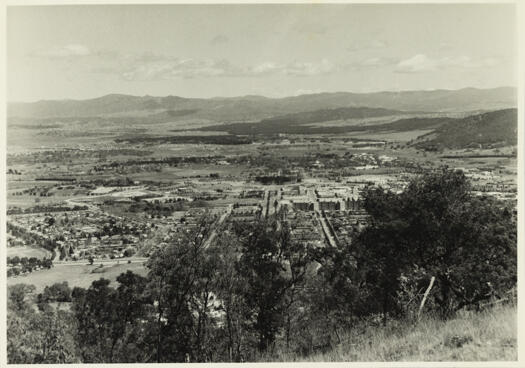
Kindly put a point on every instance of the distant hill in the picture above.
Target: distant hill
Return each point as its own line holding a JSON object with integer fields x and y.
{"x": 299, "y": 123}
{"x": 295, "y": 123}
{"x": 254, "y": 108}
{"x": 495, "y": 128}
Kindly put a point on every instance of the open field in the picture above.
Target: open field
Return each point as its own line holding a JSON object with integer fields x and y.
{"x": 490, "y": 335}
{"x": 80, "y": 274}
{"x": 28, "y": 252}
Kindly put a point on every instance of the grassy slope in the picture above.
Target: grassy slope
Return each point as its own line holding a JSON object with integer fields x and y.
{"x": 489, "y": 336}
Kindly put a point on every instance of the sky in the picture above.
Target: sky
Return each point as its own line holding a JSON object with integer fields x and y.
{"x": 79, "y": 52}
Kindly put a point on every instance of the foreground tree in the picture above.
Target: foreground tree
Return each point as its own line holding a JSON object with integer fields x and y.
{"x": 436, "y": 227}
{"x": 110, "y": 322}
{"x": 272, "y": 266}
{"x": 180, "y": 281}
{"x": 33, "y": 336}
{"x": 234, "y": 336}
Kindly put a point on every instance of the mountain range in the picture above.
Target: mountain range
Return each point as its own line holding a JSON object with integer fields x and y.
{"x": 254, "y": 108}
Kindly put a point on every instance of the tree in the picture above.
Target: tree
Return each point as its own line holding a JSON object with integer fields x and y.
{"x": 437, "y": 228}
{"x": 179, "y": 279}
{"x": 58, "y": 292}
{"x": 111, "y": 322}
{"x": 298, "y": 260}
{"x": 135, "y": 308}
{"x": 18, "y": 296}
{"x": 230, "y": 287}
{"x": 50, "y": 221}
{"x": 37, "y": 337}
{"x": 96, "y": 311}
{"x": 128, "y": 252}
{"x": 262, "y": 265}
{"x": 47, "y": 263}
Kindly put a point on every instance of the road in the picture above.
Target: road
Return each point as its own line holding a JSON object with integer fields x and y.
{"x": 219, "y": 222}
{"x": 103, "y": 261}
{"x": 326, "y": 229}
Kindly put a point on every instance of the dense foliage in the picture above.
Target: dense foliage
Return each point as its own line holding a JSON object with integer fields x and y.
{"x": 253, "y": 291}
{"x": 19, "y": 265}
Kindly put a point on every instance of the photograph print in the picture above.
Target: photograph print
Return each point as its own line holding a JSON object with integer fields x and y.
{"x": 228, "y": 183}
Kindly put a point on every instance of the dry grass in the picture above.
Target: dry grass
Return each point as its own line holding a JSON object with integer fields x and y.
{"x": 25, "y": 251}
{"x": 490, "y": 335}
{"x": 79, "y": 274}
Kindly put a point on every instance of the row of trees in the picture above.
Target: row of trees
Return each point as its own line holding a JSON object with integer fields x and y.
{"x": 255, "y": 292}
{"x": 25, "y": 265}
{"x": 31, "y": 238}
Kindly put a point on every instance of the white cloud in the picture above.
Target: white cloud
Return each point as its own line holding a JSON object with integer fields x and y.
{"x": 310, "y": 68}
{"x": 153, "y": 67}
{"x": 417, "y": 63}
{"x": 423, "y": 63}
{"x": 296, "y": 68}
{"x": 66, "y": 51}
{"x": 170, "y": 68}
{"x": 374, "y": 62}
{"x": 267, "y": 68}
{"x": 307, "y": 92}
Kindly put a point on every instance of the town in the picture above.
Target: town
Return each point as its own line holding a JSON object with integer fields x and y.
{"x": 92, "y": 204}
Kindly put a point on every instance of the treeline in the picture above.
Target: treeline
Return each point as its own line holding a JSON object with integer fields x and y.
{"x": 277, "y": 179}
{"x": 31, "y": 238}
{"x": 170, "y": 161}
{"x": 254, "y": 292}
{"x": 71, "y": 180}
{"x": 44, "y": 208}
{"x": 189, "y": 139}
{"x": 68, "y": 155}
{"x": 17, "y": 265}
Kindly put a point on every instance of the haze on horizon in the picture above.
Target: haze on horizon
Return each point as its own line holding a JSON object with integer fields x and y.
{"x": 79, "y": 52}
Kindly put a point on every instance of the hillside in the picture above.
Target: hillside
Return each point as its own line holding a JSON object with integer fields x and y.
{"x": 258, "y": 107}
{"x": 493, "y": 128}
{"x": 490, "y": 335}
{"x": 364, "y": 121}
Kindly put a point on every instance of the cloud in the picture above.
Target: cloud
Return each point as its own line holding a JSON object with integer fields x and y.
{"x": 417, "y": 63}
{"x": 310, "y": 68}
{"x": 307, "y": 92}
{"x": 172, "y": 68}
{"x": 267, "y": 68}
{"x": 219, "y": 39}
{"x": 295, "y": 68}
{"x": 422, "y": 63}
{"x": 66, "y": 51}
{"x": 149, "y": 66}
{"x": 376, "y": 61}
{"x": 367, "y": 46}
